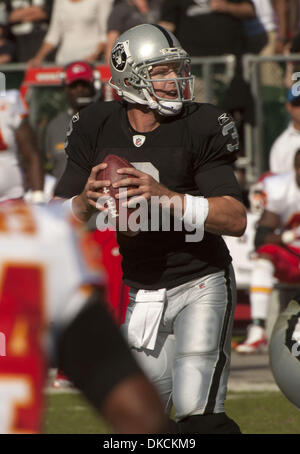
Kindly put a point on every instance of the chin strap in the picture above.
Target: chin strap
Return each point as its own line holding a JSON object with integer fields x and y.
{"x": 168, "y": 108}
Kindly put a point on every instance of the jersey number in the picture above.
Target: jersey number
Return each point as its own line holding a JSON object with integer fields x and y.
{"x": 230, "y": 128}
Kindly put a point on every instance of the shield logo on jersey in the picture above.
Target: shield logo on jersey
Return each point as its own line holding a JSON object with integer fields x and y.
{"x": 118, "y": 57}
{"x": 138, "y": 140}
{"x": 223, "y": 119}
{"x": 75, "y": 117}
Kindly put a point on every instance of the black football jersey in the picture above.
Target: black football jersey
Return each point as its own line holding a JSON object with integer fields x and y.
{"x": 191, "y": 153}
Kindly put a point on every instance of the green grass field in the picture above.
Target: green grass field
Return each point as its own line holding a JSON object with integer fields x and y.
{"x": 255, "y": 412}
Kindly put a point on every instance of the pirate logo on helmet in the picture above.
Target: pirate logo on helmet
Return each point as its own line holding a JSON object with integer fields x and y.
{"x": 118, "y": 57}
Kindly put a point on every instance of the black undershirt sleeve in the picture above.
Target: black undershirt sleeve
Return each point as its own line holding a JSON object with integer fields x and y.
{"x": 80, "y": 153}
{"x": 72, "y": 181}
{"x": 93, "y": 354}
{"x": 217, "y": 181}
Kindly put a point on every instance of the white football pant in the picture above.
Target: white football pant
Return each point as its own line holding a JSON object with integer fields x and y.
{"x": 191, "y": 359}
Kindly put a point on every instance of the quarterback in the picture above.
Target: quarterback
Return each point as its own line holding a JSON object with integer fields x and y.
{"x": 182, "y": 294}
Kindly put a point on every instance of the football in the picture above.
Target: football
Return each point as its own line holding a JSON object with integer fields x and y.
{"x": 110, "y": 173}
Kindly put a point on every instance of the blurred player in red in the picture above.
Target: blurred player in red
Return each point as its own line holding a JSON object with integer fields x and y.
{"x": 277, "y": 243}
{"x": 49, "y": 279}
{"x": 117, "y": 291}
{"x": 19, "y": 155}
{"x": 111, "y": 258}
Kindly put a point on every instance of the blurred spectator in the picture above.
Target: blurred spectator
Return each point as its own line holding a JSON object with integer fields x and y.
{"x": 127, "y": 14}
{"x": 287, "y": 12}
{"x": 208, "y": 27}
{"x": 292, "y": 66}
{"x": 80, "y": 88}
{"x": 28, "y": 21}
{"x": 261, "y": 30}
{"x": 78, "y": 31}
{"x": 262, "y": 38}
{"x": 7, "y": 47}
{"x": 18, "y": 151}
{"x": 277, "y": 243}
{"x": 285, "y": 146}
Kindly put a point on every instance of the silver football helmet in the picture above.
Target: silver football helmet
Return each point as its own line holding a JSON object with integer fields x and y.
{"x": 132, "y": 58}
{"x": 284, "y": 351}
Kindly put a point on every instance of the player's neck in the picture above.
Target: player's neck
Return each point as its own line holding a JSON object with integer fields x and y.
{"x": 142, "y": 119}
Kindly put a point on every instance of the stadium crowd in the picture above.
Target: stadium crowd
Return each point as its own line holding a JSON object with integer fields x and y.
{"x": 79, "y": 35}
{"x": 33, "y": 31}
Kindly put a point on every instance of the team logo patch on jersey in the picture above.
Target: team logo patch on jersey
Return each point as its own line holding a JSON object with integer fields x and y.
{"x": 75, "y": 117}
{"x": 118, "y": 57}
{"x": 223, "y": 119}
{"x": 138, "y": 140}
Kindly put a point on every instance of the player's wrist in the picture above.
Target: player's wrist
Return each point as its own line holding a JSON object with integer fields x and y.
{"x": 196, "y": 211}
{"x": 173, "y": 203}
{"x": 77, "y": 208}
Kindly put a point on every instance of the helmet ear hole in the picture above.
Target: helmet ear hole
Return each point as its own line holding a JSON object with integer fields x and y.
{"x": 126, "y": 83}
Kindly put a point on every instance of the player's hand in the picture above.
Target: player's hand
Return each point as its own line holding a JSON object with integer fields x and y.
{"x": 90, "y": 194}
{"x": 142, "y": 186}
{"x": 139, "y": 186}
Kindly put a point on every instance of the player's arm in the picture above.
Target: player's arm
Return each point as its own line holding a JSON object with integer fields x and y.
{"x": 79, "y": 175}
{"x": 30, "y": 156}
{"x": 93, "y": 354}
{"x": 226, "y": 216}
{"x": 223, "y": 215}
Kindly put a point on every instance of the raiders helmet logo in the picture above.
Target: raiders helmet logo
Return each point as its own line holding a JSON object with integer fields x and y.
{"x": 118, "y": 57}
{"x": 138, "y": 140}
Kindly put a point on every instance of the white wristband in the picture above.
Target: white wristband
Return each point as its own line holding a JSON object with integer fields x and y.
{"x": 288, "y": 236}
{"x": 196, "y": 211}
{"x": 68, "y": 206}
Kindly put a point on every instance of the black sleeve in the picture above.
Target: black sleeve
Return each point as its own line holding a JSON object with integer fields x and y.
{"x": 218, "y": 181}
{"x": 220, "y": 143}
{"x": 72, "y": 181}
{"x": 79, "y": 150}
{"x": 93, "y": 354}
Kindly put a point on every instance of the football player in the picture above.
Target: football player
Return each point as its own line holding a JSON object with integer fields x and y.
{"x": 18, "y": 151}
{"x": 182, "y": 292}
{"x": 48, "y": 278}
{"x": 277, "y": 243}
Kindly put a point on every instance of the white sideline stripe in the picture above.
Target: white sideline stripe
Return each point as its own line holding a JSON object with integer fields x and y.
{"x": 239, "y": 386}
{"x": 232, "y": 387}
